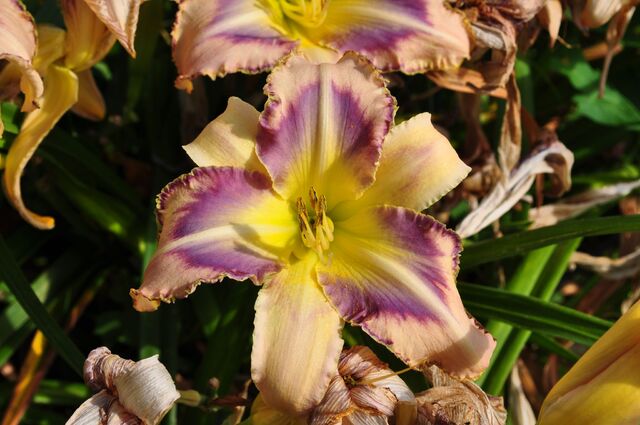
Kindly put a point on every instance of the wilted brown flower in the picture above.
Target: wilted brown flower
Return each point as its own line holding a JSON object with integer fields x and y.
{"x": 130, "y": 393}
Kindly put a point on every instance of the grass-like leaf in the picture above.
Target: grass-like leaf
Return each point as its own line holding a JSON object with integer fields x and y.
{"x": 532, "y": 314}
{"x": 17, "y": 283}
{"x": 519, "y": 243}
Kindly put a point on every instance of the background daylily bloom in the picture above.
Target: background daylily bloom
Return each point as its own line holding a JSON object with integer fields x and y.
{"x": 301, "y": 198}
{"x": 64, "y": 60}
{"x": 129, "y": 392}
{"x": 603, "y": 387}
{"x": 216, "y": 37}
{"x": 18, "y": 46}
{"x": 594, "y": 13}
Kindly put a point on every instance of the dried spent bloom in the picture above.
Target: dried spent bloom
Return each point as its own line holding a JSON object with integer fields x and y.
{"x": 603, "y": 387}
{"x": 453, "y": 402}
{"x": 365, "y": 391}
{"x": 130, "y": 393}
{"x": 63, "y": 59}
{"x": 217, "y": 37}
{"x": 304, "y": 199}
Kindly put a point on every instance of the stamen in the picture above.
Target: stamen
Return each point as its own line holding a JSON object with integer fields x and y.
{"x": 308, "y": 13}
{"x": 316, "y": 232}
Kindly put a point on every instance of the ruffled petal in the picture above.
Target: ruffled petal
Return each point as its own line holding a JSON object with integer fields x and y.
{"x": 229, "y": 140}
{"x": 88, "y": 39}
{"x": 323, "y": 127}
{"x": 60, "y": 93}
{"x": 296, "y": 342}
{"x": 18, "y": 45}
{"x": 418, "y": 166}
{"x": 393, "y": 273}
{"x": 121, "y": 17}
{"x": 603, "y": 387}
{"x": 215, "y": 222}
{"x": 410, "y": 35}
{"x": 90, "y": 103}
{"x": 216, "y": 37}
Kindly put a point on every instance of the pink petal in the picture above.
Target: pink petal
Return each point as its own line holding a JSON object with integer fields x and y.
{"x": 393, "y": 273}
{"x": 216, "y": 37}
{"x": 215, "y": 222}
{"x": 323, "y": 127}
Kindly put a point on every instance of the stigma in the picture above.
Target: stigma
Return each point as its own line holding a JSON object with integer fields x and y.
{"x": 316, "y": 229}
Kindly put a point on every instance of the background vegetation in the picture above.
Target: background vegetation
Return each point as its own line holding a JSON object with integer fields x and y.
{"x": 99, "y": 181}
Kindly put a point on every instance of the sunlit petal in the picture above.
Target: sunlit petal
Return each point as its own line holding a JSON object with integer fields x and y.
{"x": 603, "y": 387}
{"x": 216, "y": 37}
{"x": 18, "y": 45}
{"x": 90, "y": 103}
{"x": 229, "y": 140}
{"x": 418, "y": 166}
{"x": 88, "y": 39}
{"x": 60, "y": 93}
{"x": 121, "y": 17}
{"x": 323, "y": 127}
{"x": 411, "y": 36}
{"x": 392, "y": 271}
{"x": 296, "y": 342}
{"x": 216, "y": 222}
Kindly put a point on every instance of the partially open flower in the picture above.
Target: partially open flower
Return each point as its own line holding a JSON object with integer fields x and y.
{"x": 58, "y": 78}
{"x": 130, "y": 392}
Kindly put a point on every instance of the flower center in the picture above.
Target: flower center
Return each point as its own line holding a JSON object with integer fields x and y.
{"x": 308, "y": 13}
{"x": 316, "y": 228}
{"x": 305, "y": 13}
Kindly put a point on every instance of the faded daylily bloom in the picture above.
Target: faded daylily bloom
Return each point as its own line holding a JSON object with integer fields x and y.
{"x": 64, "y": 60}
{"x": 603, "y": 387}
{"x": 304, "y": 199}
{"x": 18, "y": 46}
{"x": 365, "y": 391}
{"x": 453, "y": 402}
{"x": 129, "y": 393}
{"x": 217, "y": 37}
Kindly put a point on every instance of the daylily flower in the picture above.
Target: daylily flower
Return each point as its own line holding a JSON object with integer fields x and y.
{"x": 603, "y": 387}
{"x": 18, "y": 46}
{"x": 304, "y": 199}
{"x": 217, "y": 37}
{"x": 130, "y": 393}
{"x": 64, "y": 60}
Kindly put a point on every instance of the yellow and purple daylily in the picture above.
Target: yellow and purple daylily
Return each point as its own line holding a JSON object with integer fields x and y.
{"x": 63, "y": 59}
{"x": 304, "y": 199}
{"x": 603, "y": 387}
{"x": 217, "y": 37}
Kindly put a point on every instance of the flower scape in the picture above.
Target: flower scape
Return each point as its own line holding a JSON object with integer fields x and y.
{"x": 325, "y": 212}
